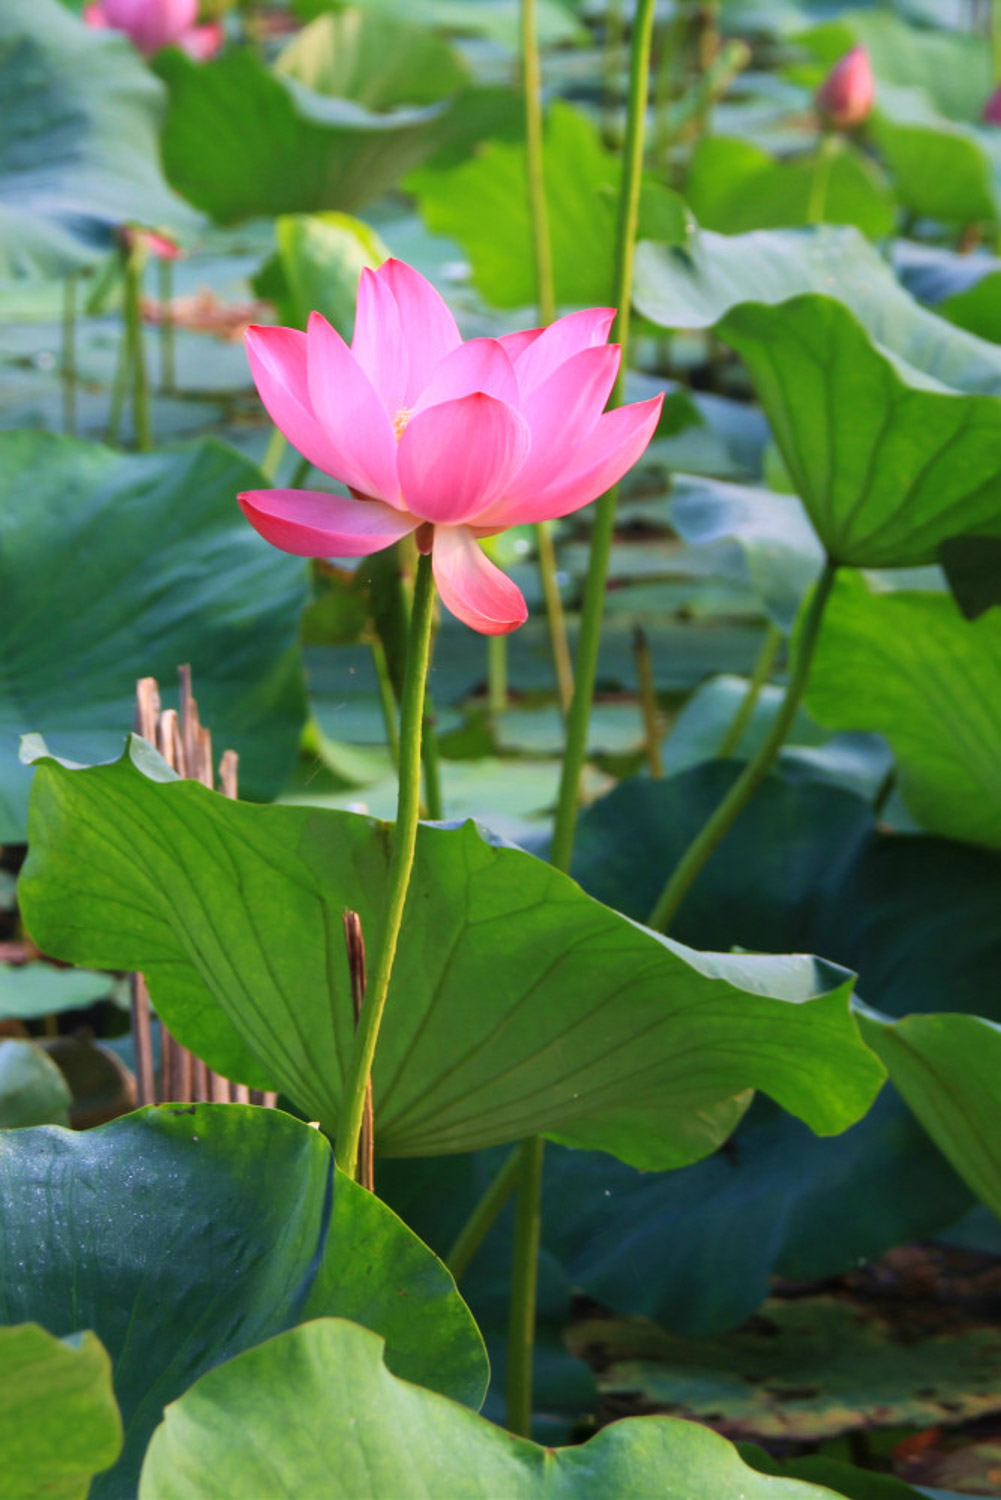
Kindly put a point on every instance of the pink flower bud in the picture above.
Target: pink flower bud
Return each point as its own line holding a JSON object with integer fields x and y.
{"x": 847, "y": 93}
{"x": 157, "y": 245}
{"x": 152, "y": 24}
{"x": 992, "y": 109}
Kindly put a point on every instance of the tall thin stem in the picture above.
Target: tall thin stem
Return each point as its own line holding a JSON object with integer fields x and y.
{"x": 726, "y": 814}
{"x": 579, "y": 717}
{"x": 496, "y": 676}
{"x": 481, "y": 1220}
{"x": 401, "y": 862}
{"x": 168, "y": 340}
{"x": 134, "y": 263}
{"x": 542, "y": 251}
{"x": 820, "y": 179}
{"x": 996, "y": 38}
{"x": 524, "y": 1291}
{"x": 68, "y": 362}
{"x": 762, "y": 672}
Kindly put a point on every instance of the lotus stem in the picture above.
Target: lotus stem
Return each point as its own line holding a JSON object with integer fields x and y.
{"x": 820, "y": 181}
{"x": 762, "y": 672}
{"x": 484, "y": 1215}
{"x": 134, "y": 264}
{"x": 524, "y": 1288}
{"x": 720, "y": 822}
{"x": 996, "y": 38}
{"x": 648, "y": 703}
{"x": 168, "y": 339}
{"x": 542, "y": 250}
{"x": 496, "y": 675}
{"x": 68, "y": 361}
{"x": 401, "y": 862}
{"x": 579, "y": 717}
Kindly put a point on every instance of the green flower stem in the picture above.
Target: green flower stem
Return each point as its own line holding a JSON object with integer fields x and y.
{"x": 996, "y": 38}
{"x": 579, "y": 717}
{"x": 496, "y": 675}
{"x": 648, "y": 703}
{"x": 132, "y": 288}
{"x": 300, "y": 474}
{"x": 401, "y": 861}
{"x": 119, "y": 387}
{"x": 387, "y": 698}
{"x": 68, "y": 361}
{"x": 816, "y": 206}
{"x": 726, "y": 814}
{"x": 763, "y": 668}
{"x": 481, "y": 1220}
{"x": 524, "y": 1290}
{"x": 168, "y": 341}
{"x": 273, "y": 454}
{"x": 542, "y": 250}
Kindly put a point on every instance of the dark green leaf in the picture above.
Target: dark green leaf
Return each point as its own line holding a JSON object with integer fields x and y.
{"x": 116, "y": 567}
{"x": 78, "y": 142}
{"x": 184, "y": 1234}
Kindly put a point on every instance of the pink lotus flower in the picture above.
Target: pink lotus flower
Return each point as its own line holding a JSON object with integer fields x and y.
{"x": 152, "y": 24}
{"x": 992, "y": 109}
{"x": 848, "y": 92}
{"x": 451, "y": 440}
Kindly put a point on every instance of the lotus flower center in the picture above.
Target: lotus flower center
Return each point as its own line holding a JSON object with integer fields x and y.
{"x": 400, "y": 421}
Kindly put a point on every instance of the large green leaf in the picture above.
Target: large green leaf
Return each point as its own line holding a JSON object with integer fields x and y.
{"x": 240, "y": 141}
{"x": 59, "y": 1425}
{"x": 79, "y": 116}
{"x": 494, "y": 20}
{"x": 483, "y": 203}
{"x": 184, "y": 1234}
{"x": 887, "y": 455}
{"x": 697, "y": 284}
{"x": 246, "y": 1425}
{"x": 735, "y": 186}
{"x": 32, "y": 1089}
{"x": 940, "y": 169}
{"x": 115, "y": 567}
{"x": 380, "y": 61}
{"x": 948, "y": 1069}
{"x": 583, "y": 1025}
{"x": 910, "y": 666}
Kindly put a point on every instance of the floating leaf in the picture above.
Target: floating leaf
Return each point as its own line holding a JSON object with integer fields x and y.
{"x": 33, "y": 990}
{"x": 909, "y": 665}
{"x": 116, "y": 567}
{"x": 59, "y": 1425}
{"x": 615, "y": 1011}
{"x": 183, "y": 1234}
{"x": 802, "y": 1370}
{"x": 78, "y": 142}
{"x": 243, "y": 1424}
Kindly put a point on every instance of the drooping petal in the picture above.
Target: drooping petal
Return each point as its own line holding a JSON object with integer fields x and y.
{"x": 616, "y": 441}
{"x": 429, "y": 329}
{"x": 203, "y": 42}
{"x": 353, "y": 418}
{"x": 378, "y": 343}
{"x": 311, "y": 524}
{"x": 278, "y": 364}
{"x": 458, "y": 457}
{"x": 478, "y": 365}
{"x": 560, "y": 342}
{"x": 471, "y": 587}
